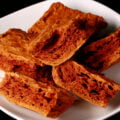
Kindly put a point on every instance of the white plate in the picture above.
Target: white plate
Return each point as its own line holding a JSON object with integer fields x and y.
{"x": 84, "y": 111}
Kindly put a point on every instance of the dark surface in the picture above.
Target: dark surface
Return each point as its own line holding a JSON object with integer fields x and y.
{"x": 7, "y": 7}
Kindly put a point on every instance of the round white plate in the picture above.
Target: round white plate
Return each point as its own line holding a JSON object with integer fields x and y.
{"x": 84, "y": 111}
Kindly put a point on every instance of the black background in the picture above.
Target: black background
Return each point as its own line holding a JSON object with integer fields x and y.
{"x": 7, "y": 7}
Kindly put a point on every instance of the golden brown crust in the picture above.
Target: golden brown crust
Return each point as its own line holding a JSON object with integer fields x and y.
{"x": 14, "y": 57}
{"x": 10, "y": 62}
{"x": 94, "y": 88}
{"x": 15, "y": 41}
{"x": 56, "y": 39}
{"x": 102, "y": 54}
{"x": 56, "y": 13}
{"x": 13, "y": 63}
{"x": 39, "y": 97}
